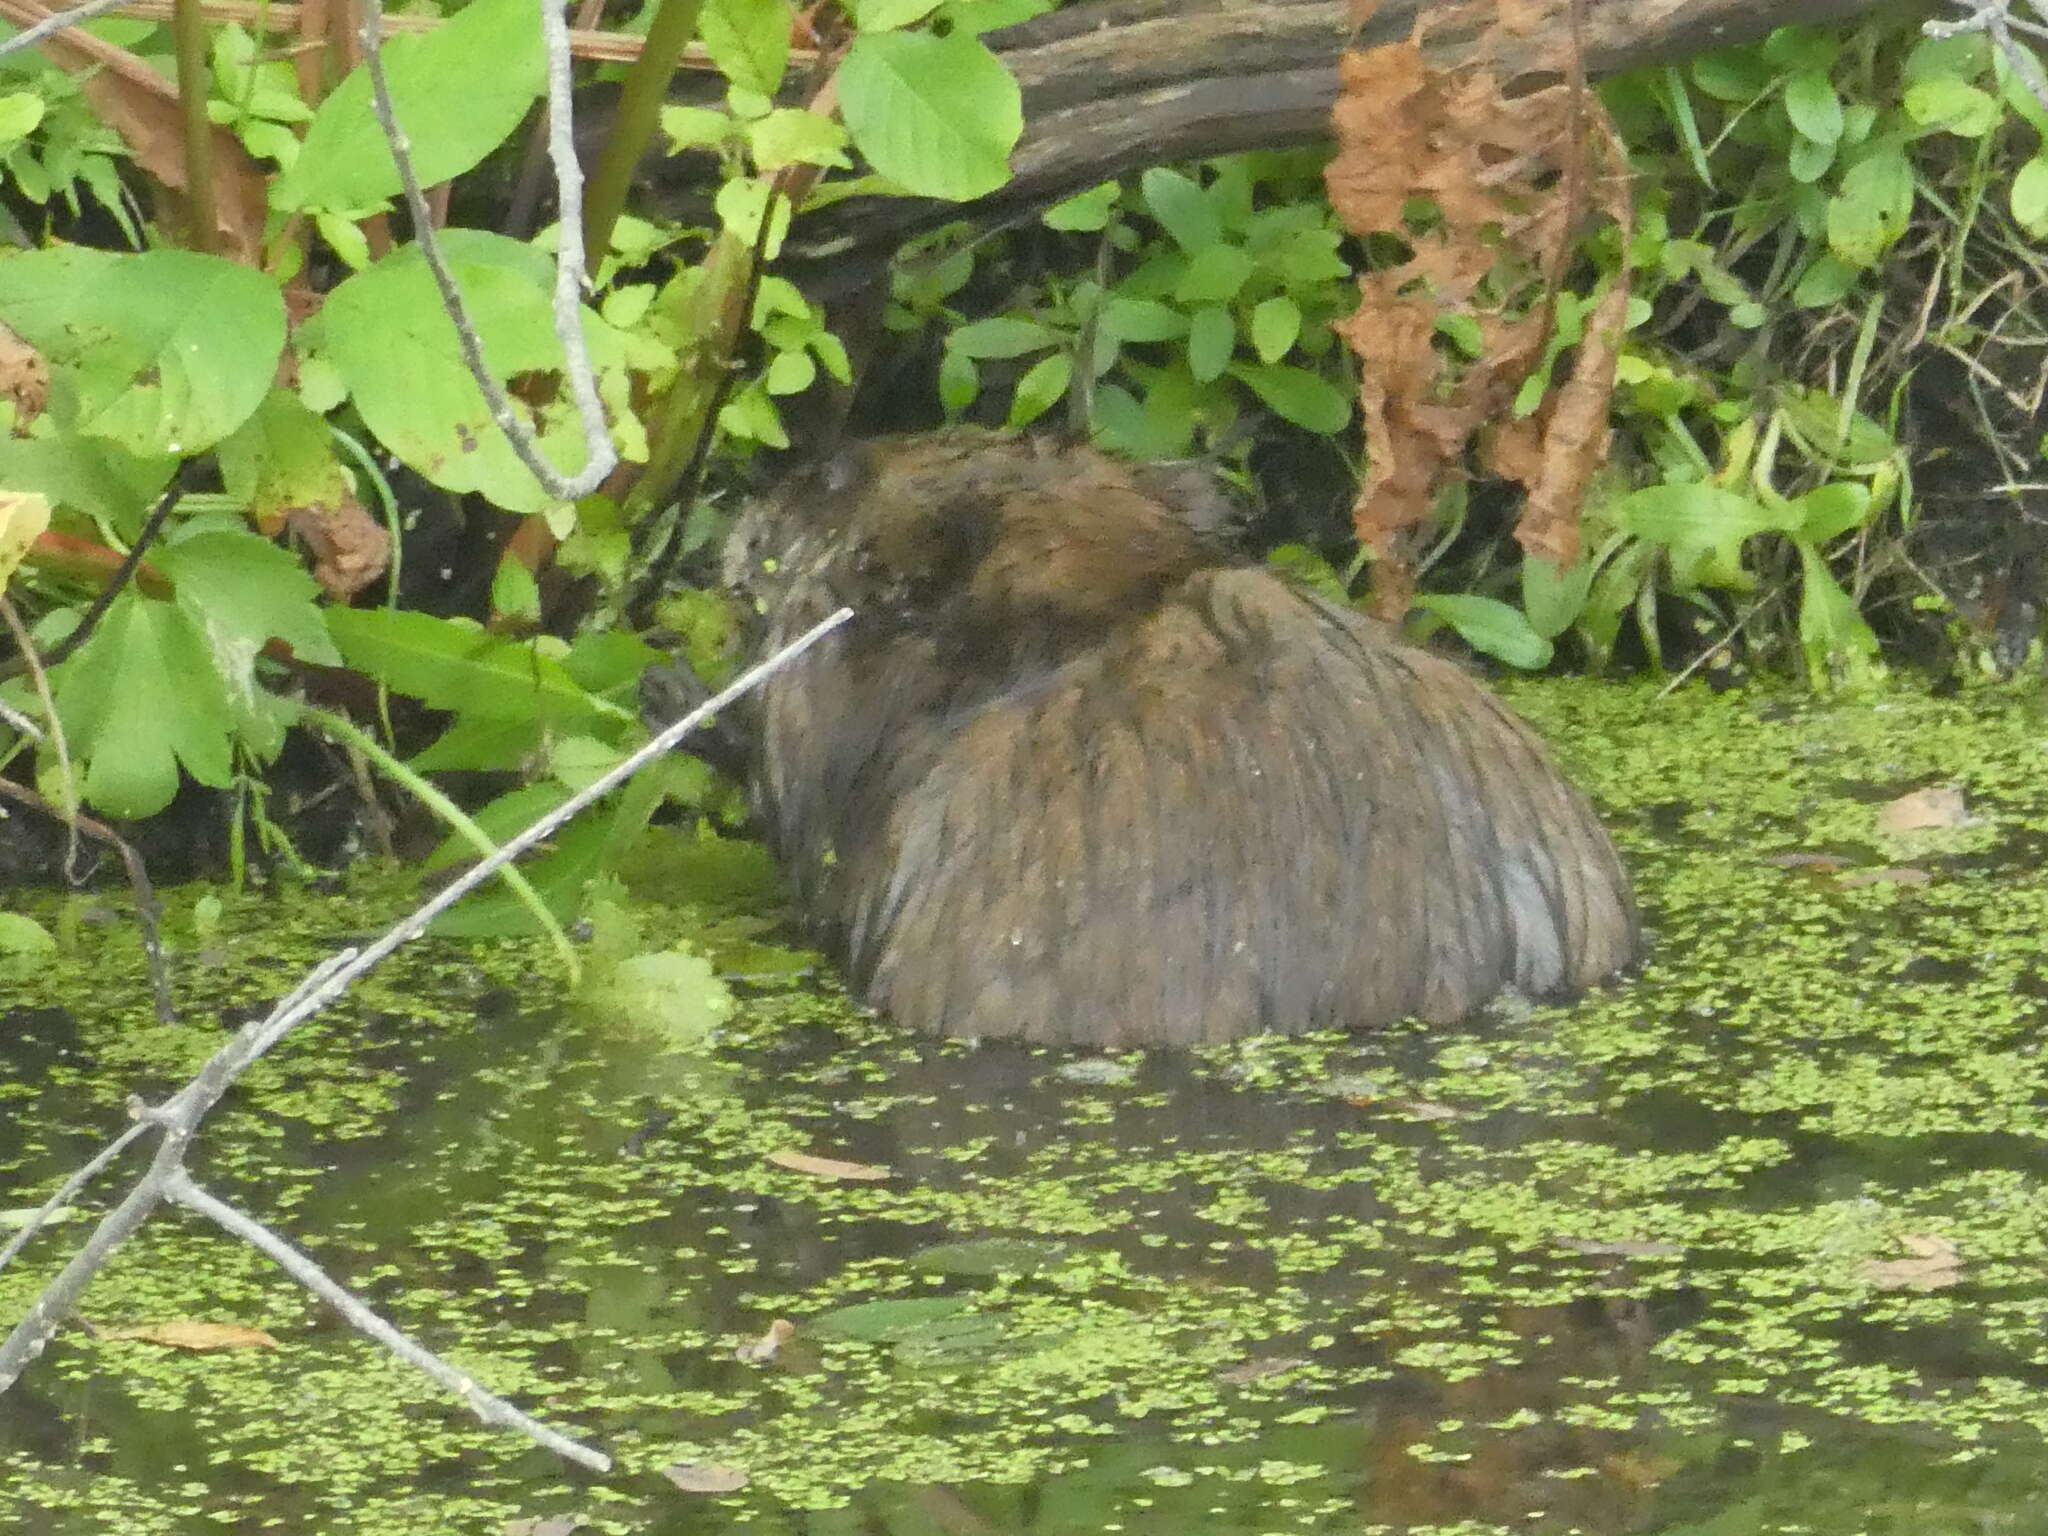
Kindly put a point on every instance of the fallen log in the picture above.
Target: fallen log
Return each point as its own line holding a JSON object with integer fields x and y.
{"x": 1112, "y": 86}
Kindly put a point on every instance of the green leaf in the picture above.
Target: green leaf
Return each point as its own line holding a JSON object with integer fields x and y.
{"x": 1838, "y": 643}
{"x": 1084, "y": 211}
{"x": 1813, "y": 106}
{"x": 1691, "y": 513}
{"x": 1212, "y": 340}
{"x": 1943, "y": 101}
{"x": 1040, "y": 389}
{"x": 1214, "y": 275}
{"x": 1296, "y": 395}
{"x": 140, "y": 699}
{"x": 387, "y": 336}
{"x": 1826, "y": 282}
{"x": 887, "y": 1322}
{"x": 959, "y": 381}
{"x": 697, "y": 127}
{"x": 457, "y": 667}
{"x": 282, "y": 459}
{"x": 1183, "y": 208}
{"x": 1125, "y": 319}
{"x": 481, "y": 743}
{"x": 2030, "y": 196}
{"x": 672, "y": 993}
{"x": 1872, "y": 208}
{"x": 1552, "y": 598}
{"x": 1276, "y": 322}
{"x": 458, "y": 91}
{"x": 792, "y": 136}
{"x": 165, "y": 352}
{"x": 1809, "y": 160}
{"x": 937, "y": 115}
{"x": 245, "y": 591}
{"x": 748, "y": 40}
{"x": 515, "y": 594}
{"x": 1002, "y": 336}
{"x": 886, "y": 15}
{"x": 1830, "y": 511}
{"x": 20, "y": 112}
{"x": 1491, "y": 626}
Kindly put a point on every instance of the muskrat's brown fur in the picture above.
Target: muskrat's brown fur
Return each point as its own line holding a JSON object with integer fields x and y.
{"x": 1076, "y": 776}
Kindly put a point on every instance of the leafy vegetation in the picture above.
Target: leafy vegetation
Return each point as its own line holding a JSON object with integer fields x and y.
{"x": 1759, "y": 499}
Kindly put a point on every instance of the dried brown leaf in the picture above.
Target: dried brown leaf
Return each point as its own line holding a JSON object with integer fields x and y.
{"x": 350, "y": 548}
{"x": 184, "y": 1333}
{"x": 827, "y": 1167}
{"x": 142, "y": 107}
{"x": 1932, "y": 1264}
{"x": 1935, "y": 808}
{"x": 706, "y": 1477}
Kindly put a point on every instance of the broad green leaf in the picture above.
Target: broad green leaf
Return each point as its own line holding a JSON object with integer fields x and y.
{"x": 245, "y": 591}
{"x": 165, "y": 352}
{"x": 1830, "y": 511}
{"x": 1813, "y": 106}
{"x": 1002, "y": 336}
{"x": 282, "y": 458}
{"x": 1839, "y": 645}
{"x": 792, "y": 136}
{"x": 1691, "y": 513}
{"x": 1808, "y": 159}
{"x": 1276, "y": 322}
{"x": 959, "y": 381}
{"x": 1212, "y": 339}
{"x": 1084, "y": 211}
{"x": 1214, "y": 275}
{"x": 1040, "y": 389}
{"x": 2030, "y": 196}
{"x": 457, "y": 667}
{"x": 886, "y": 15}
{"x": 388, "y": 338}
{"x": 1825, "y": 282}
{"x": 139, "y": 700}
{"x": 1183, "y": 208}
{"x": 20, "y": 112}
{"x": 937, "y": 115}
{"x": 1491, "y": 626}
{"x": 889, "y": 1321}
{"x": 1943, "y": 101}
{"x": 1294, "y": 394}
{"x": 1552, "y": 598}
{"x": 481, "y": 743}
{"x": 88, "y": 474}
{"x": 748, "y": 40}
{"x": 458, "y": 92}
{"x": 1127, "y": 319}
{"x": 697, "y": 127}
{"x": 1872, "y": 208}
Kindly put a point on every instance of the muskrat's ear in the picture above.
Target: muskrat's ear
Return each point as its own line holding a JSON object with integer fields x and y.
{"x": 842, "y": 472}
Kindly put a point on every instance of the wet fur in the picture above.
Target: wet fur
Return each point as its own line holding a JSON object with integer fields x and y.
{"x": 1076, "y": 776}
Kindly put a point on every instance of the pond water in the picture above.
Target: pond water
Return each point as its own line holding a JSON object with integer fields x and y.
{"x": 1752, "y": 1243}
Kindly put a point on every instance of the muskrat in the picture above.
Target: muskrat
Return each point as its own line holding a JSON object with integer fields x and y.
{"x": 1074, "y": 774}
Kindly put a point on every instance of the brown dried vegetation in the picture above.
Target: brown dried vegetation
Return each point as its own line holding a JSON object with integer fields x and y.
{"x": 1506, "y": 168}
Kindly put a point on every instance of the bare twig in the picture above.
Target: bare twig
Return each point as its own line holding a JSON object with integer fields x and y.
{"x": 487, "y": 1406}
{"x": 600, "y": 457}
{"x": 116, "y": 584}
{"x": 179, "y": 1118}
{"x": 149, "y": 911}
{"x": 1995, "y": 20}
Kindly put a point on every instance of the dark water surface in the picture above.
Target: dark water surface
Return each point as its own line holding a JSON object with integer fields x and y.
{"x": 1754, "y": 1243}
